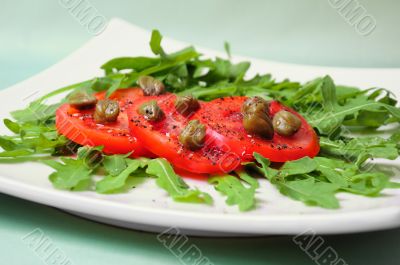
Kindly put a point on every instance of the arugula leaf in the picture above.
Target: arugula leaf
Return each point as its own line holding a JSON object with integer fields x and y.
{"x": 332, "y": 115}
{"x": 118, "y": 176}
{"x": 315, "y": 181}
{"x": 155, "y": 43}
{"x": 36, "y": 111}
{"x": 369, "y": 183}
{"x": 243, "y": 175}
{"x": 297, "y": 167}
{"x": 7, "y": 144}
{"x": 12, "y": 126}
{"x": 227, "y": 48}
{"x": 173, "y": 184}
{"x": 236, "y": 192}
{"x": 136, "y": 64}
{"x": 360, "y": 149}
{"x": 173, "y": 60}
{"x": 71, "y": 174}
{"x": 311, "y": 192}
{"x": 268, "y": 172}
{"x": 335, "y": 171}
{"x": 115, "y": 164}
{"x": 304, "y": 188}
{"x": 16, "y": 153}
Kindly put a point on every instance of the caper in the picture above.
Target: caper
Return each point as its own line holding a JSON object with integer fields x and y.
{"x": 193, "y": 135}
{"x": 255, "y": 104}
{"x": 93, "y": 157}
{"x": 81, "y": 100}
{"x": 151, "y": 86}
{"x": 286, "y": 123}
{"x": 186, "y": 105}
{"x": 151, "y": 111}
{"x": 259, "y": 124}
{"x": 256, "y": 119}
{"x": 106, "y": 111}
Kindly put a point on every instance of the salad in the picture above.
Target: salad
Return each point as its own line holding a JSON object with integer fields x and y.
{"x": 178, "y": 115}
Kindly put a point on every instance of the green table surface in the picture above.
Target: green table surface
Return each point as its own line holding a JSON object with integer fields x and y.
{"x": 36, "y": 34}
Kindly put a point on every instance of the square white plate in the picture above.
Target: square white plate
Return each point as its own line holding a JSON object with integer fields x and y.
{"x": 149, "y": 208}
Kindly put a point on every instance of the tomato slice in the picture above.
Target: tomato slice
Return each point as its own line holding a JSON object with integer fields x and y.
{"x": 80, "y": 127}
{"x": 227, "y": 142}
{"x": 161, "y": 138}
{"x": 191, "y": 175}
{"x": 224, "y": 116}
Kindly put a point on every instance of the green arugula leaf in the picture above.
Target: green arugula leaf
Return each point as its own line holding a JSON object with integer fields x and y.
{"x": 335, "y": 171}
{"x": 369, "y": 184}
{"x": 7, "y": 144}
{"x": 332, "y": 115}
{"x": 115, "y": 164}
{"x": 315, "y": 181}
{"x": 297, "y": 167}
{"x": 173, "y": 184}
{"x": 227, "y": 48}
{"x": 243, "y": 175}
{"x": 136, "y": 64}
{"x": 119, "y": 175}
{"x": 155, "y": 43}
{"x": 71, "y": 174}
{"x": 115, "y": 85}
{"x": 268, "y": 172}
{"x": 311, "y": 192}
{"x": 16, "y": 153}
{"x": 236, "y": 192}
{"x": 35, "y": 112}
{"x": 303, "y": 188}
{"x": 328, "y": 90}
{"x": 12, "y": 126}
{"x": 360, "y": 149}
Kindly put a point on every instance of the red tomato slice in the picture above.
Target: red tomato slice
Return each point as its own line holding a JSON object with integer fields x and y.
{"x": 161, "y": 138}
{"x": 224, "y": 116}
{"x": 80, "y": 127}
{"x": 191, "y": 175}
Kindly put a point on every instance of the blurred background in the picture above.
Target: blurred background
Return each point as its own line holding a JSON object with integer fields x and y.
{"x": 36, "y": 34}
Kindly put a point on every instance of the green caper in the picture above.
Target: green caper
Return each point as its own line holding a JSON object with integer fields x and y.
{"x": 255, "y": 104}
{"x": 151, "y": 86}
{"x": 193, "y": 135}
{"x": 106, "y": 111}
{"x": 256, "y": 118}
{"x": 81, "y": 100}
{"x": 259, "y": 124}
{"x": 286, "y": 123}
{"x": 186, "y": 105}
{"x": 151, "y": 111}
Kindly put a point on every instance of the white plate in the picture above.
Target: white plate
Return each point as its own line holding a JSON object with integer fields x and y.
{"x": 148, "y": 207}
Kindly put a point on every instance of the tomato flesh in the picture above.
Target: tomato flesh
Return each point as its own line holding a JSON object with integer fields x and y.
{"x": 80, "y": 127}
{"x": 227, "y": 142}
{"x": 161, "y": 138}
{"x": 224, "y": 117}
